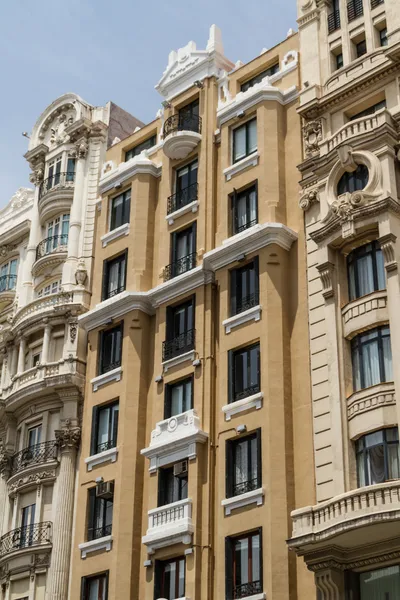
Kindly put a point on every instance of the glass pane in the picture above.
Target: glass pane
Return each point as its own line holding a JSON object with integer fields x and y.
{"x": 13, "y": 267}
{"x": 254, "y": 460}
{"x": 253, "y": 205}
{"x": 387, "y": 358}
{"x": 241, "y": 462}
{"x": 365, "y": 275}
{"x": 393, "y": 461}
{"x": 177, "y": 400}
{"x": 361, "y": 470}
{"x": 252, "y": 133}
{"x": 241, "y": 557}
{"x": 376, "y": 465}
{"x": 94, "y": 589}
{"x": 370, "y": 358}
{"x": 255, "y": 565}
{"x": 254, "y": 366}
{"x": 382, "y": 584}
{"x": 113, "y": 277}
{"x": 239, "y": 144}
{"x": 181, "y": 586}
{"x": 352, "y": 281}
{"x": 241, "y": 211}
{"x": 380, "y": 267}
{"x": 102, "y": 432}
{"x": 373, "y": 439}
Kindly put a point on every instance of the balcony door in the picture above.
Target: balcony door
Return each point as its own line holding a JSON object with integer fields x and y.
{"x": 34, "y": 436}
{"x": 186, "y": 184}
{"x": 183, "y": 250}
{"x": 180, "y": 320}
{"x": 189, "y": 116}
{"x": 27, "y": 525}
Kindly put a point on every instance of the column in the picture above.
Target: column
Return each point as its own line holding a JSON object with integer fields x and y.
{"x": 34, "y": 239}
{"x": 15, "y": 510}
{"x": 14, "y": 361}
{"x": 46, "y": 343}
{"x": 21, "y": 355}
{"x": 4, "y": 371}
{"x": 57, "y": 582}
{"x": 4, "y": 474}
{"x": 330, "y": 583}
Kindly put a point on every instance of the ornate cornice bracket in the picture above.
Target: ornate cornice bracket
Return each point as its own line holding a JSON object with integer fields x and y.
{"x": 325, "y": 271}
{"x": 68, "y": 438}
{"x": 387, "y": 243}
{"x": 308, "y": 198}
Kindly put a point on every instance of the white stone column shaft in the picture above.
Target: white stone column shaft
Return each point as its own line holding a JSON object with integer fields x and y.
{"x": 34, "y": 239}
{"x": 14, "y": 361}
{"x": 75, "y": 221}
{"x": 4, "y": 371}
{"x": 21, "y": 355}
{"x": 46, "y": 344}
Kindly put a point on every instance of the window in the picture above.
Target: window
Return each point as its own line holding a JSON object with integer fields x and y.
{"x": 355, "y": 9}
{"x": 51, "y": 288}
{"x": 180, "y": 329}
{"x": 100, "y": 513}
{"x": 244, "y": 287}
{"x": 186, "y": 187}
{"x": 243, "y": 571}
{"x": 339, "y": 60}
{"x": 104, "y": 427}
{"x": 381, "y": 583}
{"x": 353, "y": 182}
{"x": 334, "y": 17}
{"x": 34, "y": 436}
{"x": 244, "y": 209}
{"x": 243, "y": 464}
{"x": 183, "y": 252}
{"x": 110, "y": 349}
{"x": 120, "y": 210}
{"x": 36, "y": 359}
{"x": 70, "y": 175}
{"x": 54, "y": 173}
{"x": 257, "y": 78}
{"x": 178, "y": 397}
{"x": 27, "y": 526}
{"x": 369, "y": 111}
{"x": 365, "y": 269}
{"x": 136, "y": 150}
{"x": 244, "y": 372}
{"x": 172, "y": 486}
{"x": 57, "y": 233}
{"x": 378, "y": 457}
{"x": 8, "y": 275}
{"x": 372, "y": 358}
{"x": 95, "y": 587}
{"x": 114, "y": 275}
{"x": 188, "y": 116}
{"x": 170, "y": 579}
{"x": 383, "y": 40}
{"x": 244, "y": 140}
{"x": 361, "y": 48}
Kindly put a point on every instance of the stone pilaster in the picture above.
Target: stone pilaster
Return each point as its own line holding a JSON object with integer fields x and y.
{"x": 330, "y": 583}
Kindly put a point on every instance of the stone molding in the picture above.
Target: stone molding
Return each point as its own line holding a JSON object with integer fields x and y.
{"x": 253, "y": 401}
{"x": 365, "y": 312}
{"x": 249, "y": 161}
{"x": 178, "y": 360}
{"x": 252, "y": 314}
{"x": 326, "y": 271}
{"x": 118, "y": 176}
{"x": 191, "y": 207}
{"x": 253, "y": 497}
{"x": 103, "y": 543}
{"x": 104, "y": 378}
{"x": 40, "y": 476}
{"x": 114, "y": 234}
{"x": 101, "y": 457}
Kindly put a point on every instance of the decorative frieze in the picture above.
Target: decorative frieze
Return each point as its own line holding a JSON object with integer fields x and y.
{"x": 68, "y": 437}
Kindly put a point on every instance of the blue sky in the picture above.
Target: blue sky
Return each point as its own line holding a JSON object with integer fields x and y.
{"x": 114, "y": 50}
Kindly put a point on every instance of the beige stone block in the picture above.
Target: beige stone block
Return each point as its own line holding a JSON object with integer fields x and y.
{"x": 322, "y": 423}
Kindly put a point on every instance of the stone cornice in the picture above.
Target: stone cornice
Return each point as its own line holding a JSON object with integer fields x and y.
{"x": 126, "y": 170}
{"x": 36, "y": 153}
{"x": 115, "y": 307}
{"x": 180, "y": 285}
{"x": 19, "y": 231}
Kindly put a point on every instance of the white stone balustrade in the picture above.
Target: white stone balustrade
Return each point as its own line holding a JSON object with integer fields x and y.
{"x": 365, "y": 312}
{"x": 42, "y": 305}
{"x": 169, "y": 524}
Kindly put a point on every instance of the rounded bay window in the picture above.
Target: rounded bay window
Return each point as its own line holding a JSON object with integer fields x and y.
{"x": 353, "y": 182}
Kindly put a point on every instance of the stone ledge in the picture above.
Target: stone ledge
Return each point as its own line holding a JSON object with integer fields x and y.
{"x": 114, "y": 234}
{"x": 253, "y": 497}
{"x": 102, "y": 457}
{"x": 104, "y": 543}
{"x": 253, "y": 313}
{"x": 244, "y": 163}
{"x": 100, "y": 380}
{"x": 253, "y": 401}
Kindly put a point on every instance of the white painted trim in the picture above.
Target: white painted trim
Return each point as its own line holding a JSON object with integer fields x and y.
{"x": 247, "y": 315}
{"x": 254, "y": 401}
{"x": 180, "y": 285}
{"x": 126, "y": 170}
{"x": 191, "y": 207}
{"x": 102, "y": 457}
{"x": 115, "y": 307}
{"x": 179, "y": 144}
{"x": 240, "y": 165}
{"x": 100, "y": 380}
{"x": 261, "y": 596}
{"x": 255, "y": 496}
{"x": 103, "y": 543}
{"x": 177, "y": 360}
{"x": 115, "y": 234}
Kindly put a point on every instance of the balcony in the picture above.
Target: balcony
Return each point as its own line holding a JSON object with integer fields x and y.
{"x": 56, "y": 194}
{"x": 333, "y": 21}
{"x": 182, "y": 133}
{"x": 180, "y": 266}
{"x": 56, "y": 182}
{"x": 182, "y": 344}
{"x": 182, "y": 202}
{"x": 38, "y": 534}
{"x": 244, "y": 590}
{"x": 8, "y": 284}
{"x": 51, "y": 251}
{"x": 169, "y": 524}
{"x": 364, "y": 313}
{"x": 355, "y": 9}
{"x": 38, "y": 454}
{"x": 46, "y": 306}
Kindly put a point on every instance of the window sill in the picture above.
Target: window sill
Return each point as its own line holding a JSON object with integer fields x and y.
{"x": 255, "y": 597}
{"x": 191, "y": 207}
{"x": 115, "y": 234}
{"x": 100, "y": 380}
{"x": 247, "y": 315}
{"x": 254, "y": 401}
{"x": 103, "y": 543}
{"x": 177, "y": 360}
{"x": 101, "y": 457}
{"x": 248, "y": 161}
{"x": 255, "y": 496}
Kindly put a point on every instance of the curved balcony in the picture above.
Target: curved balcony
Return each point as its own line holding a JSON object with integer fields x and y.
{"x": 371, "y": 408}
{"x": 25, "y": 538}
{"x": 50, "y": 252}
{"x": 180, "y": 266}
{"x": 32, "y": 456}
{"x": 8, "y": 284}
{"x": 181, "y": 134}
{"x": 364, "y": 313}
{"x": 44, "y": 307}
{"x": 56, "y": 194}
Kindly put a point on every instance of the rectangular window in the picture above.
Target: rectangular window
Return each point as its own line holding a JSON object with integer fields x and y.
{"x": 361, "y": 48}
{"x": 95, "y": 587}
{"x": 170, "y": 579}
{"x": 172, "y": 484}
{"x": 183, "y": 252}
{"x": 110, "y": 349}
{"x": 180, "y": 329}
{"x": 383, "y": 40}
{"x": 136, "y": 150}
{"x": 372, "y": 358}
{"x": 244, "y": 372}
{"x": 244, "y": 209}
{"x": 257, "y": 78}
{"x": 380, "y": 583}
{"x": 34, "y": 436}
{"x": 244, "y": 287}
{"x": 334, "y": 17}
{"x": 378, "y": 457}
{"x": 70, "y": 175}
{"x": 243, "y": 464}
{"x": 369, "y": 111}
{"x": 189, "y": 116}
{"x": 243, "y": 556}
{"x": 104, "y": 427}
{"x": 178, "y": 397}
{"x": 365, "y": 270}
{"x": 185, "y": 186}
{"x": 57, "y": 233}
{"x": 355, "y": 9}
{"x": 244, "y": 140}
{"x": 27, "y": 526}
{"x": 120, "y": 210}
{"x": 339, "y": 60}
{"x": 114, "y": 275}
{"x": 100, "y": 513}
{"x": 8, "y": 275}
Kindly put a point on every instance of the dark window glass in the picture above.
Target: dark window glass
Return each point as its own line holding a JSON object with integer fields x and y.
{"x": 171, "y": 488}
{"x": 361, "y": 48}
{"x": 244, "y": 287}
{"x": 70, "y": 176}
{"x": 170, "y": 579}
{"x": 189, "y": 111}
{"x": 180, "y": 329}
{"x": 369, "y": 111}
{"x": 353, "y": 182}
{"x": 380, "y": 584}
{"x": 186, "y": 185}
{"x": 104, "y": 427}
{"x": 244, "y": 372}
{"x": 110, "y": 349}
{"x": 355, "y": 9}
{"x": 378, "y": 457}
{"x": 339, "y": 60}
{"x": 100, "y": 516}
{"x": 244, "y": 209}
{"x": 114, "y": 276}
{"x": 243, "y": 464}
{"x": 257, "y": 78}
{"x": 95, "y": 587}
{"x": 136, "y": 150}
{"x": 244, "y": 140}
{"x": 383, "y": 40}
{"x": 120, "y": 210}
{"x": 178, "y": 397}
{"x": 183, "y": 252}
{"x": 243, "y": 565}
{"x": 372, "y": 358}
{"x": 365, "y": 269}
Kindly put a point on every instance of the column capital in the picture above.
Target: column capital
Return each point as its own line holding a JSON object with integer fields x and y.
{"x": 5, "y": 462}
{"x": 81, "y": 148}
{"x": 68, "y": 438}
{"x": 37, "y": 175}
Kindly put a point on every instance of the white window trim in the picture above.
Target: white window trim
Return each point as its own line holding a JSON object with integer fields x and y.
{"x": 104, "y": 543}
{"x": 101, "y": 457}
{"x": 248, "y": 161}
{"x": 253, "y": 497}
{"x": 253, "y": 313}
{"x": 104, "y": 378}
{"x": 253, "y": 401}
{"x": 177, "y": 360}
{"x": 191, "y": 207}
{"x": 114, "y": 234}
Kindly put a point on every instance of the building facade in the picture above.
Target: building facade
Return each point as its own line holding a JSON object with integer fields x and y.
{"x": 46, "y": 239}
{"x": 197, "y": 429}
{"x": 350, "y": 107}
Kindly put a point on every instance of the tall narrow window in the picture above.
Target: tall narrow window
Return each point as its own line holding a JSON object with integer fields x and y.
{"x": 70, "y": 175}
{"x": 110, "y": 349}
{"x": 366, "y": 271}
{"x": 57, "y": 234}
{"x": 244, "y": 287}
{"x": 244, "y": 209}
{"x": 243, "y": 464}
{"x": 26, "y": 536}
{"x": 244, "y": 372}
{"x": 244, "y": 140}
{"x": 178, "y": 397}
{"x": 189, "y": 117}
{"x": 95, "y": 587}
{"x": 172, "y": 484}
{"x": 8, "y": 276}
{"x": 120, "y": 209}
{"x": 104, "y": 427}
{"x": 361, "y": 48}
{"x": 180, "y": 330}
{"x": 114, "y": 275}
{"x": 100, "y": 513}
{"x": 186, "y": 187}
{"x": 183, "y": 252}
{"x": 378, "y": 457}
{"x": 170, "y": 579}
{"x": 371, "y": 358}
{"x": 243, "y": 565}
{"x": 383, "y": 39}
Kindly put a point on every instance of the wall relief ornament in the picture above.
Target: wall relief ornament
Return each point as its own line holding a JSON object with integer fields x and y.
{"x": 312, "y": 135}
{"x": 37, "y": 175}
{"x": 344, "y": 205}
{"x": 81, "y": 274}
{"x": 4, "y": 250}
{"x": 387, "y": 243}
{"x": 308, "y": 198}
{"x": 58, "y": 135}
{"x": 5, "y": 461}
{"x": 73, "y": 330}
{"x": 81, "y": 148}
{"x": 68, "y": 437}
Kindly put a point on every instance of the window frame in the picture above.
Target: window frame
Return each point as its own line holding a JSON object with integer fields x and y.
{"x": 234, "y": 279}
{"x": 351, "y": 179}
{"x": 252, "y": 81}
{"x": 230, "y": 562}
{"x": 96, "y": 505}
{"x": 357, "y": 346}
{"x": 85, "y": 584}
{"x": 112, "y": 431}
{"x": 146, "y": 144}
{"x": 162, "y": 490}
{"x": 126, "y": 209}
{"x": 231, "y": 372}
{"x": 160, "y": 565}
{"x": 364, "y": 452}
{"x": 383, "y": 39}
{"x": 230, "y": 462}
{"x": 168, "y": 395}
{"x": 119, "y": 258}
{"x": 354, "y": 258}
{"x": 235, "y": 197}
{"x": 245, "y": 125}
{"x": 102, "y": 334}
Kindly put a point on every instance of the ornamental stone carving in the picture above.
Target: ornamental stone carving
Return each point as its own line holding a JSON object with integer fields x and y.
{"x": 387, "y": 243}
{"x": 312, "y": 135}
{"x": 37, "y": 175}
{"x": 5, "y": 461}
{"x": 6, "y": 249}
{"x": 325, "y": 271}
{"x": 68, "y": 437}
{"x": 345, "y": 204}
{"x": 81, "y": 148}
{"x": 58, "y": 135}
{"x": 308, "y": 198}
{"x": 81, "y": 274}
{"x": 73, "y": 330}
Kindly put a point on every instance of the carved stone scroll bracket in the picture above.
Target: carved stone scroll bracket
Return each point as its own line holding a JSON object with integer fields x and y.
{"x": 345, "y": 155}
{"x": 325, "y": 271}
{"x": 81, "y": 148}
{"x": 308, "y": 198}
{"x": 387, "y": 243}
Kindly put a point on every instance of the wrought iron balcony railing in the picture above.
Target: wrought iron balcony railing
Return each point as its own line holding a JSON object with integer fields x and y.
{"x": 246, "y": 302}
{"x": 246, "y": 486}
{"x": 34, "y": 455}
{"x": 58, "y": 179}
{"x": 105, "y": 446}
{"x": 110, "y": 293}
{"x": 375, "y": 3}
{"x": 246, "y": 392}
{"x": 179, "y": 345}
{"x": 182, "y": 122}
{"x": 55, "y": 243}
{"x": 182, "y": 198}
{"x": 184, "y": 264}
{"x": 8, "y": 283}
{"x": 241, "y": 227}
{"x": 355, "y": 9}
{"x": 247, "y": 589}
{"x": 99, "y": 532}
{"x": 333, "y": 21}
{"x": 24, "y": 537}
{"x": 106, "y": 367}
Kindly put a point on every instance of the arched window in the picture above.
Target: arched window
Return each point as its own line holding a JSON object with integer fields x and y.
{"x": 353, "y": 182}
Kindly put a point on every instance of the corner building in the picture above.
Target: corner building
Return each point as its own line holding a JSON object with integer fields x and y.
{"x": 350, "y": 108}
{"x": 197, "y": 439}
